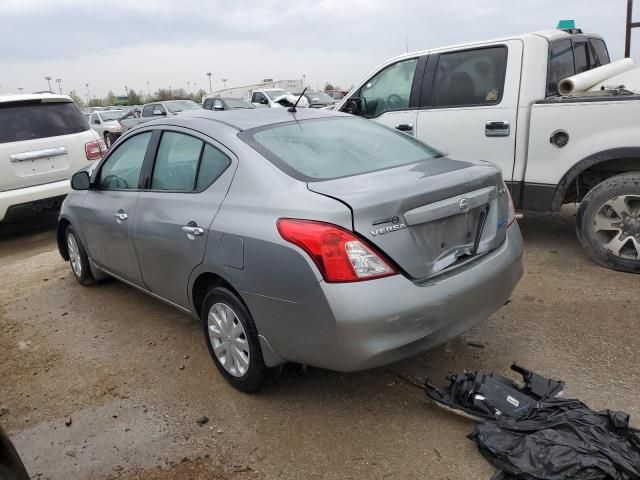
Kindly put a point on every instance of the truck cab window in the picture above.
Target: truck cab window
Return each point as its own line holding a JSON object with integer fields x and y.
{"x": 561, "y": 65}
{"x": 148, "y": 110}
{"x": 599, "y": 54}
{"x": 581, "y": 56}
{"x": 471, "y": 77}
{"x": 389, "y": 89}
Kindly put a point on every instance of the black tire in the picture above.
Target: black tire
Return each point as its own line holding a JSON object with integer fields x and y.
{"x": 85, "y": 277}
{"x": 108, "y": 140}
{"x": 257, "y": 372}
{"x": 593, "y": 202}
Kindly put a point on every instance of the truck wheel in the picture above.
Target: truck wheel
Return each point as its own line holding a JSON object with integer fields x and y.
{"x": 108, "y": 139}
{"x": 608, "y": 223}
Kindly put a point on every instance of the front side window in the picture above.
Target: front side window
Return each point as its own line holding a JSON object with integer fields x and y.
{"x": 388, "y": 90}
{"x": 561, "y": 65}
{"x": 337, "y": 147}
{"x": 259, "y": 97}
{"x": 599, "y": 54}
{"x": 472, "y": 77}
{"x": 207, "y": 104}
{"x": 176, "y": 162}
{"x": 147, "y": 111}
{"x": 121, "y": 171}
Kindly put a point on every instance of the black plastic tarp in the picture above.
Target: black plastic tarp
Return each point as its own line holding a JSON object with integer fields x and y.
{"x": 562, "y": 439}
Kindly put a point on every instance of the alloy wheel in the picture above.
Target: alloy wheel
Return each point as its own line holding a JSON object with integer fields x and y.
{"x": 616, "y": 226}
{"x": 74, "y": 255}
{"x": 228, "y": 339}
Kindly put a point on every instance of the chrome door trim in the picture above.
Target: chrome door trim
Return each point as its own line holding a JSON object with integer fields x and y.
{"x": 33, "y": 154}
{"x": 144, "y": 290}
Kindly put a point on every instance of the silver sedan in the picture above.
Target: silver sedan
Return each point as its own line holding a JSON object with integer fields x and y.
{"x": 311, "y": 237}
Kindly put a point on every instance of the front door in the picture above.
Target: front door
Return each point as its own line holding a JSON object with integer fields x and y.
{"x": 190, "y": 179}
{"x": 110, "y": 208}
{"x": 469, "y": 103}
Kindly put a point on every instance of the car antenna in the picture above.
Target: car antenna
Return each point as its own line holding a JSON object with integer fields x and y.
{"x": 293, "y": 109}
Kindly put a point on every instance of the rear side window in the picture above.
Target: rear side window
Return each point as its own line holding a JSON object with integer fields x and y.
{"x": 581, "y": 56}
{"x": 30, "y": 120}
{"x": 147, "y": 111}
{"x": 561, "y": 65}
{"x": 322, "y": 149}
{"x": 472, "y": 77}
{"x": 176, "y": 162}
{"x": 185, "y": 163}
{"x": 207, "y": 103}
{"x": 599, "y": 54}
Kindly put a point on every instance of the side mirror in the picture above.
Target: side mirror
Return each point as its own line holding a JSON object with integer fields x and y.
{"x": 97, "y": 121}
{"x": 353, "y": 106}
{"x": 81, "y": 180}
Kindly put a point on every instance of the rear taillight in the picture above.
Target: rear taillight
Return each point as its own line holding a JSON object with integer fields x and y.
{"x": 512, "y": 209}
{"x": 339, "y": 255}
{"x": 95, "y": 150}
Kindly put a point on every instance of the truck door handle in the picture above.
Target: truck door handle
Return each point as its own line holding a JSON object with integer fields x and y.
{"x": 120, "y": 216}
{"x": 193, "y": 230}
{"x": 404, "y": 127}
{"x": 497, "y": 129}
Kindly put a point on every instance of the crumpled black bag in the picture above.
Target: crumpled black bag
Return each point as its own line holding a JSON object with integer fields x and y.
{"x": 559, "y": 440}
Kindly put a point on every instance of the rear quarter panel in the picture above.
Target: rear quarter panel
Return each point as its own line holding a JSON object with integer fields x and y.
{"x": 592, "y": 127}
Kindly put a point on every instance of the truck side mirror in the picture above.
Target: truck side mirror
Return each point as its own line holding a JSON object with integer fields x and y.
{"x": 353, "y": 106}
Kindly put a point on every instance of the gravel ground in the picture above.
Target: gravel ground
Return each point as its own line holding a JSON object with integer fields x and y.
{"x": 107, "y": 383}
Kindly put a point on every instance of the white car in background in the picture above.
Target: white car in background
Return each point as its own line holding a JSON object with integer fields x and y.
{"x": 105, "y": 123}
{"x": 44, "y": 139}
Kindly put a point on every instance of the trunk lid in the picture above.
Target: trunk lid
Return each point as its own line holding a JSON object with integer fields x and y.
{"x": 426, "y": 216}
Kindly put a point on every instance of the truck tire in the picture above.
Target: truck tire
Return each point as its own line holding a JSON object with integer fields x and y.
{"x": 608, "y": 223}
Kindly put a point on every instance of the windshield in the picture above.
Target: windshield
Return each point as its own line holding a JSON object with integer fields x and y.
{"x": 275, "y": 93}
{"x": 113, "y": 115}
{"x": 322, "y": 149}
{"x": 314, "y": 96}
{"x": 237, "y": 103}
{"x": 176, "y": 106}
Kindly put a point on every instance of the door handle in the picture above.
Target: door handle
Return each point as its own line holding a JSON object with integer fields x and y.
{"x": 497, "y": 129}
{"x": 120, "y": 216}
{"x": 193, "y": 230}
{"x": 404, "y": 127}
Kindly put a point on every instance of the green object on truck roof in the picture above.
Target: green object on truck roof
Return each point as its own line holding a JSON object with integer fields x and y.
{"x": 566, "y": 25}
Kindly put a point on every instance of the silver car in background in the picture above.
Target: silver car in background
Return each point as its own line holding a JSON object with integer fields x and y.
{"x": 311, "y": 237}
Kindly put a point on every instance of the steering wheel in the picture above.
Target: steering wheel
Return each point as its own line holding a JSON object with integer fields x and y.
{"x": 395, "y": 101}
{"x": 118, "y": 182}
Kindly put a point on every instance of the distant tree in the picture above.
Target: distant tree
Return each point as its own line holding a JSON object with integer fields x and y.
{"x": 197, "y": 97}
{"x": 96, "y": 102}
{"x": 328, "y": 87}
{"x": 162, "y": 94}
{"x": 110, "y": 98}
{"x": 134, "y": 98}
{"x": 76, "y": 98}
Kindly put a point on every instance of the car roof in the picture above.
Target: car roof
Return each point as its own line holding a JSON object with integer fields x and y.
{"x": 26, "y": 97}
{"x": 245, "y": 119}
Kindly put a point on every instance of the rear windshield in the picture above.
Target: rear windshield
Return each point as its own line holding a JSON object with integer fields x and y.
{"x": 322, "y": 149}
{"x": 31, "y": 120}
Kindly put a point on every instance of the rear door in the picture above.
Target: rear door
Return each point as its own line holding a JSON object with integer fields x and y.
{"x": 190, "y": 178}
{"x": 389, "y": 96}
{"x": 41, "y": 141}
{"x": 110, "y": 208}
{"x": 469, "y": 100}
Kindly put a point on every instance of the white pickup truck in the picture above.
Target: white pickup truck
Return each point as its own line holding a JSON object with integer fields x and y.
{"x": 498, "y": 100}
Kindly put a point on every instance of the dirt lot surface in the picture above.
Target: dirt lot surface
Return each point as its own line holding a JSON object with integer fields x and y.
{"x": 132, "y": 376}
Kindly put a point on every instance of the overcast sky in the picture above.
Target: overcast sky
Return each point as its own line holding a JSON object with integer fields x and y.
{"x": 110, "y": 44}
